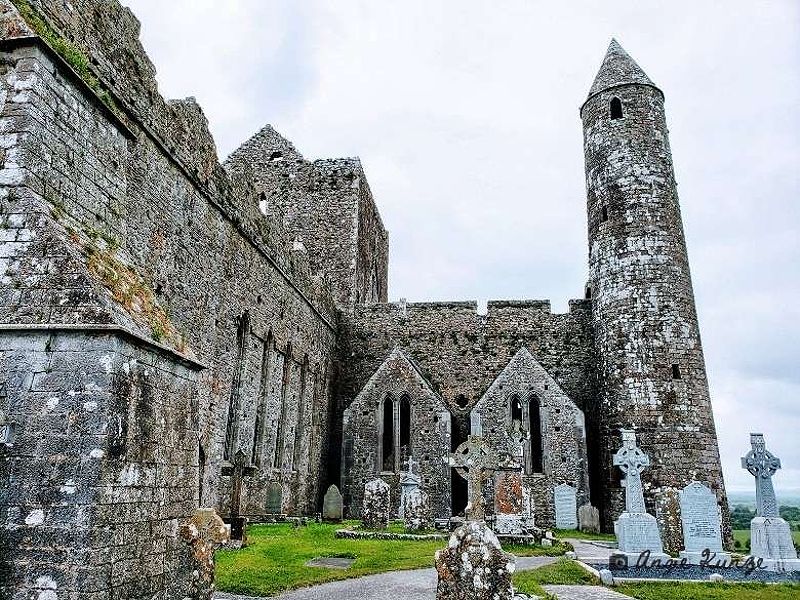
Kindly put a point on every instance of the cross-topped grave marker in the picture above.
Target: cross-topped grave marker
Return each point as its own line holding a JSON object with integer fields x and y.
{"x": 637, "y": 532}
{"x": 411, "y": 463}
{"x": 632, "y": 461}
{"x": 762, "y": 465}
{"x": 770, "y": 535}
{"x": 237, "y": 472}
{"x": 474, "y": 461}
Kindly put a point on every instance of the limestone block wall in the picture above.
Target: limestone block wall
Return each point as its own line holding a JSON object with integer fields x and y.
{"x": 398, "y": 380}
{"x": 328, "y": 207}
{"x": 561, "y": 438}
{"x": 102, "y": 468}
{"x": 650, "y": 356}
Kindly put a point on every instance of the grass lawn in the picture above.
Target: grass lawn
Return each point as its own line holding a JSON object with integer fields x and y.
{"x": 563, "y": 572}
{"x": 580, "y": 535}
{"x": 710, "y": 591}
{"x": 274, "y": 560}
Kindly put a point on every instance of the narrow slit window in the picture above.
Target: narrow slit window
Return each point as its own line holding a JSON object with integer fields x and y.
{"x": 588, "y": 292}
{"x": 616, "y": 108}
{"x": 676, "y": 372}
{"x": 604, "y": 214}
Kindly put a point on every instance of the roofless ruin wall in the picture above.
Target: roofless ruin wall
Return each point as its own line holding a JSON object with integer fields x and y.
{"x": 145, "y": 299}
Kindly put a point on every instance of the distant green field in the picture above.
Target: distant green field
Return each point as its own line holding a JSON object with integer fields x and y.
{"x": 742, "y": 535}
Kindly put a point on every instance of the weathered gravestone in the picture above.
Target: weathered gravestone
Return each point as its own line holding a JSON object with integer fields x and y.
{"x": 332, "y": 505}
{"x": 375, "y": 510}
{"x": 637, "y": 532}
{"x": 770, "y": 535}
{"x": 416, "y": 513}
{"x": 237, "y": 472}
{"x": 409, "y": 483}
{"x": 473, "y": 566}
{"x": 668, "y": 517}
{"x": 589, "y": 518}
{"x": 204, "y": 532}
{"x": 565, "y": 498}
{"x": 274, "y": 504}
{"x": 701, "y": 523}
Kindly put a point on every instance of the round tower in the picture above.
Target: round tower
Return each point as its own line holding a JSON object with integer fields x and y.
{"x": 651, "y": 369}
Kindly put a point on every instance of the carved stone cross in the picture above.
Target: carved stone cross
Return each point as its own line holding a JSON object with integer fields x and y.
{"x": 632, "y": 461}
{"x": 474, "y": 461}
{"x": 762, "y": 465}
{"x": 411, "y": 463}
{"x": 238, "y": 472}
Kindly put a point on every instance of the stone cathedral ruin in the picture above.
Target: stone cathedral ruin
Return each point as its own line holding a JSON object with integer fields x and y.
{"x": 179, "y": 334}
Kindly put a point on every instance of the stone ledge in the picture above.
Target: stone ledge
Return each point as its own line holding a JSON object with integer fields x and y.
{"x": 350, "y": 534}
{"x": 188, "y": 361}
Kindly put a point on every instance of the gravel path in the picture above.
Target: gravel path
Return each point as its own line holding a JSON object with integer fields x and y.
{"x": 418, "y": 584}
{"x": 587, "y": 550}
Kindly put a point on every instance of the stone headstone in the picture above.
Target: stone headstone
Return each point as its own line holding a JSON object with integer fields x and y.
{"x": 589, "y": 518}
{"x": 332, "y": 505}
{"x": 375, "y": 510}
{"x": 473, "y": 566}
{"x": 409, "y": 483}
{"x": 274, "y": 504}
{"x": 565, "y": 498}
{"x": 416, "y": 512}
{"x": 204, "y": 532}
{"x": 701, "y": 524}
{"x": 668, "y": 517}
{"x": 637, "y": 531}
{"x": 770, "y": 535}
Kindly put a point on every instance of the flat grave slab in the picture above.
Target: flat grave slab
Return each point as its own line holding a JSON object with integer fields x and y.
{"x": 331, "y": 562}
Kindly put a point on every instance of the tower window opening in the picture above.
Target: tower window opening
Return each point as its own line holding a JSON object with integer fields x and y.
{"x": 616, "y": 108}
{"x": 676, "y": 372}
{"x": 462, "y": 401}
{"x": 588, "y": 292}
{"x": 604, "y": 214}
{"x": 262, "y": 202}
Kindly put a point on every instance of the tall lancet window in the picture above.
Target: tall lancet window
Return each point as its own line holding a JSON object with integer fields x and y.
{"x": 387, "y": 435}
{"x": 535, "y": 435}
{"x": 405, "y": 427}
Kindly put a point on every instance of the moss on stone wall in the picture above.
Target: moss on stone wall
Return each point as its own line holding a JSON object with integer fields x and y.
{"x": 66, "y": 50}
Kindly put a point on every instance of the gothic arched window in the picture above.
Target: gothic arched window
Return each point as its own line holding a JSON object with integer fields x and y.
{"x": 405, "y": 427}
{"x": 387, "y": 435}
{"x": 616, "y": 108}
{"x": 535, "y": 435}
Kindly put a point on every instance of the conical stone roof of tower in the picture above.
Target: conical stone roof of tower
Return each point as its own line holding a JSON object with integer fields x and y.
{"x": 618, "y": 68}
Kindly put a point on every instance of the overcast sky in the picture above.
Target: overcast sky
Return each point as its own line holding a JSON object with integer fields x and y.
{"x": 465, "y": 116}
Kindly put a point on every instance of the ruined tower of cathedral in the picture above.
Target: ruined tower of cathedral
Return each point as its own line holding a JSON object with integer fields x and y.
{"x": 179, "y": 334}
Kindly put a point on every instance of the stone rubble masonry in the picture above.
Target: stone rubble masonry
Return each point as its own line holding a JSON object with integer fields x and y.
{"x": 326, "y": 209}
{"x": 563, "y": 431}
{"x": 151, "y": 319}
{"x": 650, "y": 359}
{"x": 396, "y": 378}
{"x": 461, "y": 353}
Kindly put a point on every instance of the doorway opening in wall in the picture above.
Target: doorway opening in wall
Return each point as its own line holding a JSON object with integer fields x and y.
{"x": 458, "y": 485}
